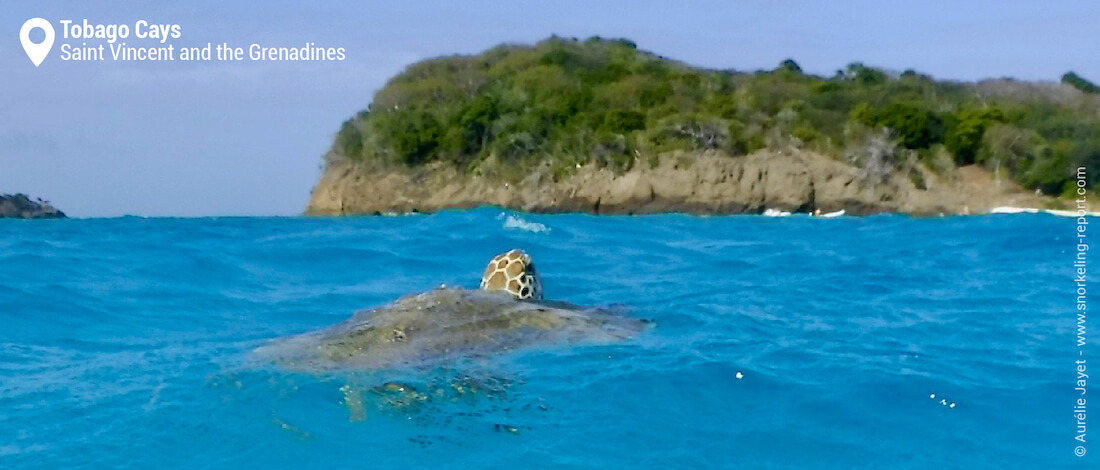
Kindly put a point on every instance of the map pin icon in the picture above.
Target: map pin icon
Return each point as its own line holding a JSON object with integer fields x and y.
{"x": 37, "y": 52}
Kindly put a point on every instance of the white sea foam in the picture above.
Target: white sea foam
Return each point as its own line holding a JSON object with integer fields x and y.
{"x": 775, "y": 213}
{"x": 516, "y": 223}
{"x": 1032, "y": 210}
{"x": 1013, "y": 210}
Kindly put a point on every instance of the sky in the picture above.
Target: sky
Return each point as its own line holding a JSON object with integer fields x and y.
{"x": 217, "y": 138}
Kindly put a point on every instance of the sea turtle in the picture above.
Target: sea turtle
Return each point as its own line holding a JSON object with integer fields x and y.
{"x": 438, "y": 326}
{"x": 414, "y": 356}
{"x": 515, "y": 273}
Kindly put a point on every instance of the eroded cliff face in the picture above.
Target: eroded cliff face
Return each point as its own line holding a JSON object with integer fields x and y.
{"x": 694, "y": 183}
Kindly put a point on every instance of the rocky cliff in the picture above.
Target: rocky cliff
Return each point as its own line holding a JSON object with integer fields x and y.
{"x": 22, "y": 207}
{"x": 700, "y": 183}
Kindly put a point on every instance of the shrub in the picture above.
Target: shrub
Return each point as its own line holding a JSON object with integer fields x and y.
{"x": 876, "y": 156}
{"x": 623, "y": 121}
{"x": 700, "y": 132}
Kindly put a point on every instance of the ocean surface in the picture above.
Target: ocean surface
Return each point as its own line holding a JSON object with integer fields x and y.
{"x": 778, "y": 342}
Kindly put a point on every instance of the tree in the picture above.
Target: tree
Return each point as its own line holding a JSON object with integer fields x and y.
{"x": 349, "y": 141}
{"x": 471, "y": 131}
{"x": 964, "y": 138}
{"x": 789, "y": 65}
{"x": 864, "y": 75}
{"x": 1079, "y": 82}
{"x": 412, "y": 134}
{"x": 1050, "y": 173}
{"x": 915, "y": 128}
{"x": 623, "y": 121}
{"x": 1006, "y": 147}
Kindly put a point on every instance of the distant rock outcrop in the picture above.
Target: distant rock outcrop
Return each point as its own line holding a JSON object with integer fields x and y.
{"x": 20, "y": 206}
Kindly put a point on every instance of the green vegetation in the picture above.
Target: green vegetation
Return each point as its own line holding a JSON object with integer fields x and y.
{"x": 1078, "y": 82}
{"x": 568, "y": 102}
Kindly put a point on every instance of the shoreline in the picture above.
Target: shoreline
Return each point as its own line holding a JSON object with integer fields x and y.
{"x": 706, "y": 183}
{"x": 769, "y": 213}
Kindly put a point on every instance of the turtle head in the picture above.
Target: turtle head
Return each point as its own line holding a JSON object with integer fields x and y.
{"x": 515, "y": 273}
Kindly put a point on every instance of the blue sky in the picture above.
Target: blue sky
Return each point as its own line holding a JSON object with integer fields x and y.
{"x": 214, "y": 138}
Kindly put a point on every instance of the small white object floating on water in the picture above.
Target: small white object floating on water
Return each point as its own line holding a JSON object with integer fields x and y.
{"x": 833, "y": 214}
{"x": 739, "y": 375}
{"x": 943, "y": 401}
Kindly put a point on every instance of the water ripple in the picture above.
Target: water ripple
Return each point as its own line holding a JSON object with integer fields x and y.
{"x": 125, "y": 342}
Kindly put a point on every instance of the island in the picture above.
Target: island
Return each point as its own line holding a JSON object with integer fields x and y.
{"x": 599, "y": 126}
{"x": 20, "y": 206}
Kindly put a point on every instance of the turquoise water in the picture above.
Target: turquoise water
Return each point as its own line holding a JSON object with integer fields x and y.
{"x": 125, "y": 343}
